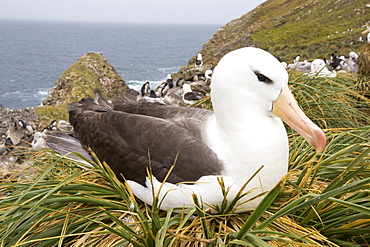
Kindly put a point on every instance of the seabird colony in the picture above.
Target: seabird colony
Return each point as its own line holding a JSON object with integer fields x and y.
{"x": 324, "y": 68}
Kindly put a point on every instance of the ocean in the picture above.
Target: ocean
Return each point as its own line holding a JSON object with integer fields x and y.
{"x": 33, "y": 54}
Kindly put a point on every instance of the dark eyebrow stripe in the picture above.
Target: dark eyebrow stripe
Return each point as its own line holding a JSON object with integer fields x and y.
{"x": 263, "y": 78}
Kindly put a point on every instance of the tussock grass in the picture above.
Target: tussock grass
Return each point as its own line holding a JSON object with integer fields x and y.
{"x": 72, "y": 204}
{"x": 331, "y": 102}
{"x": 323, "y": 201}
{"x": 364, "y": 61}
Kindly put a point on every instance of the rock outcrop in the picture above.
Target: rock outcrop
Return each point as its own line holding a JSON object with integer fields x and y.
{"x": 91, "y": 71}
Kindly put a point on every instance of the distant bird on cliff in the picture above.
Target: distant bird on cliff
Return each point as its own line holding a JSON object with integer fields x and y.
{"x": 297, "y": 65}
{"x": 303, "y": 66}
{"x": 296, "y": 59}
{"x": 28, "y": 130}
{"x": 318, "y": 68}
{"x": 145, "y": 89}
{"x": 15, "y": 133}
{"x": 189, "y": 97}
{"x": 208, "y": 76}
{"x": 180, "y": 82}
{"x": 52, "y": 126}
{"x": 295, "y": 62}
{"x": 199, "y": 61}
{"x": 173, "y": 98}
{"x": 164, "y": 89}
{"x": 39, "y": 141}
{"x": 169, "y": 81}
{"x": 153, "y": 94}
{"x": 336, "y": 62}
{"x": 63, "y": 125}
{"x": 190, "y": 149}
{"x": 352, "y": 62}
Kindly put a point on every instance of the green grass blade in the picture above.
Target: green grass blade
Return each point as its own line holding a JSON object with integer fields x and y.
{"x": 258, "y": 212}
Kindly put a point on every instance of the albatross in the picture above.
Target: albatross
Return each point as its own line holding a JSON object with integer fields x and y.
{"x": 188, "y": 149}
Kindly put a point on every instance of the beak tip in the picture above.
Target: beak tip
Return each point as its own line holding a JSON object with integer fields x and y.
{"x": 319, "y": 140}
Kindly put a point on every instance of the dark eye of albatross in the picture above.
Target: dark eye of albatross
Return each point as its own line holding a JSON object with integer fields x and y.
{"x": 263, "y": 78}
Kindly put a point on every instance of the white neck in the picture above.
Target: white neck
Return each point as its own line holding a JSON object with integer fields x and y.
{"x": 238, "y": 134}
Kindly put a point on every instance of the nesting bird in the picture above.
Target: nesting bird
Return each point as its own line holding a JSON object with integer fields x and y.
{"x": 169, "y": 81}
{"x": 345, "y": 64}
{"x": 39, "y": 141}
{"x": 318, "y": 68}
{"x": 352, "y": 62}
{"x": 199, "y": 61}
{"x": 298, "y": 65}
{"x": 188, "y": 149}
{"x": 208, "y": 76}
{"x": 190, "y": 97}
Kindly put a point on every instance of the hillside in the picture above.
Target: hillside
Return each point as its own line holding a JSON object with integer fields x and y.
{"x": 311, "y": 28}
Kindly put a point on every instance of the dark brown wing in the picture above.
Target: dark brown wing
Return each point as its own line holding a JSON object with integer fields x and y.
{"x": 126, "y": 140}
{"x": 159, "y": 110}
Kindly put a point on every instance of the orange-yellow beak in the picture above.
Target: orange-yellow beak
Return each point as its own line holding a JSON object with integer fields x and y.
{"x": 288, "y": 110}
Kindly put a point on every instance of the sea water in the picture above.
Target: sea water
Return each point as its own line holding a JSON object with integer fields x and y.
{"x": 33, "y": 54}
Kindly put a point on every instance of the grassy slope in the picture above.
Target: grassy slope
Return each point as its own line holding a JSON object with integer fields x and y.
{"x": 290, "y": 27}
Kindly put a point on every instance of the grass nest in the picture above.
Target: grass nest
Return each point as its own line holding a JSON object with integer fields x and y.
{"x": 76, "y": 203}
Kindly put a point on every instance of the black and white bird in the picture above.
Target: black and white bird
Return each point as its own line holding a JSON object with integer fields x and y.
{"x": 199, "y": 61}
{"x": 180, "y": 82}
{"x": 169, "y": 81}
{"x": 153, "y": 94}
{"x": 244, "y": 133}
{"x": 318, "y": 68}
{"x": 189, "y": 96}
{"x": 145, "y": 88}
{"x": 336, "y": 62}
{"x": 63, "y": 125}
{"x": 208, "y": 76}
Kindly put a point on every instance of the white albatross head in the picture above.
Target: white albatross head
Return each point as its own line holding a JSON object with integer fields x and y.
{"x": 252, "y": 81}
